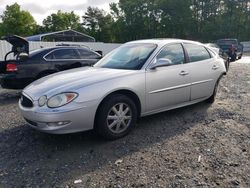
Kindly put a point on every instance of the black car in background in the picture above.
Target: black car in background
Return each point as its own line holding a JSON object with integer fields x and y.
{"x": 232, "y": 47}
{"x": 29, "y": 66}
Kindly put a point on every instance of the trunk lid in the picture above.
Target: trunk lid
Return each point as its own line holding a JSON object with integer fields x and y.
{"x": 19, "y": 44}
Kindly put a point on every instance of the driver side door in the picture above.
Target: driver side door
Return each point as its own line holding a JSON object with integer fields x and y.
{"x": 170, "y": 85}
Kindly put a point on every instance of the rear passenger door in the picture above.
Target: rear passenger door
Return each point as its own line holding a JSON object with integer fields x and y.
{"x": 88, "y": 57}
{"x": 201, "y": 70}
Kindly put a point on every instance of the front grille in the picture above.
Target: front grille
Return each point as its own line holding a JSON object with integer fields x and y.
{"x": 26, "y": 102}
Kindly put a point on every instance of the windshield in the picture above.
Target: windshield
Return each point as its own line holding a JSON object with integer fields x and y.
{"x": 227, "y": 42}
{"x": 130, "y": 56}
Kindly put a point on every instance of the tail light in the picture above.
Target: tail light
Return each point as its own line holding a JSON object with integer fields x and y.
{"x": 11, "y": 67}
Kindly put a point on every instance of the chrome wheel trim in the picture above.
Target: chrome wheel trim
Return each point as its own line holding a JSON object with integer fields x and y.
{"x": 119, "y": 118}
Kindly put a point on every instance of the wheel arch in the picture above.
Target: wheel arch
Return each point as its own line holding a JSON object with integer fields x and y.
{"x": 132, "y": 95}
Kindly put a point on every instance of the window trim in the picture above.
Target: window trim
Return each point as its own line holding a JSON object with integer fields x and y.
{"x": 77, "y": 49}
{"x": 44, "y": 57}
{"x": 211, "y": 53}
{"x": 184, "y": 53}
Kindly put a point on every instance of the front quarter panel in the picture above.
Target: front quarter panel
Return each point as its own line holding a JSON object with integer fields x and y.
{"x": 98, "y": 91}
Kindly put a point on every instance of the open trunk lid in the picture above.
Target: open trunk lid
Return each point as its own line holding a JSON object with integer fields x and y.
{"x": 19, "y": 44}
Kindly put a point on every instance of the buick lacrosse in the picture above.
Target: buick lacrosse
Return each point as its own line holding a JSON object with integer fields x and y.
{"x": 137, "y": 79}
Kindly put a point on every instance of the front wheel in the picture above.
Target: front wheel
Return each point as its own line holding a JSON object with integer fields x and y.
{"x": 116, "y": 117}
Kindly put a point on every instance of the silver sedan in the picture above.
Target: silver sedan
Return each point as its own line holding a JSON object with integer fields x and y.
{"x": 137, "y": 79}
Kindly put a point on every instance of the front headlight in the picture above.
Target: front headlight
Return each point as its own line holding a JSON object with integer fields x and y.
{"x": 61, "y": 99}
{"x": 42, "y": 101}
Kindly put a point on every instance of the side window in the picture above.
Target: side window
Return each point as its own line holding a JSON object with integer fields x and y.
{"x": 87, "y": 54}
{"x": 63, "y": 54}
{"x": 173, "y": 52}
{"x": 49, "y": 56}
{"x": 196, "y": 52}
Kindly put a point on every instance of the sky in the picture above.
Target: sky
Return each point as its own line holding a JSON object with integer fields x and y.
{"x": 40, "y": 9}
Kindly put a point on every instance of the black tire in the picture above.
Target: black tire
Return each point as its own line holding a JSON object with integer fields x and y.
{"x": 102, "y": 126}
{"x": 240, "y": 57}
{"x": 212, "y": 98}
{"x": 227, "y": 65}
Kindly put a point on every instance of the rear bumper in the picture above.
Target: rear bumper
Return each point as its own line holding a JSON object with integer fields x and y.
{"x": 11, "y": 81}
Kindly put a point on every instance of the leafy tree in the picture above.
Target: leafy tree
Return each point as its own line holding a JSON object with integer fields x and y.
{"x": 176, "y": 18}
{"x": 98, "y": 24}
{"x": 61, "y": 21}
{"x": 17, "y": 21}
{"x": 204, "y": 20}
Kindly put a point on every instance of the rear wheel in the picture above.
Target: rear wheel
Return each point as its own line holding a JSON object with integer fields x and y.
{"x": 227, "y": 64}
{"x": 212, "y": 98}
{"x": 116, "y": 117}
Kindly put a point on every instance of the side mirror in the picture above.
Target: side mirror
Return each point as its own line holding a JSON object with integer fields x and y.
{"x": 162, "y": 62}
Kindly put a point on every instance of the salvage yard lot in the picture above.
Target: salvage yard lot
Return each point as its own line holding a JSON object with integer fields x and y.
{"x": 200, "y": 145}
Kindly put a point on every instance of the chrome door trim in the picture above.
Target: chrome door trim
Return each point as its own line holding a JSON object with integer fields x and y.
{"x": 169, "y": 88}
{"x": 201, "y": 82}
{"x": 180, "y": 86}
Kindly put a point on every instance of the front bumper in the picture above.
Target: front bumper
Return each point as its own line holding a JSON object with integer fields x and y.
{"x": 61, "y": 121}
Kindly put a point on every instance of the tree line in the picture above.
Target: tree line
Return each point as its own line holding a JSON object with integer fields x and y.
{"x": 203, "y": 20}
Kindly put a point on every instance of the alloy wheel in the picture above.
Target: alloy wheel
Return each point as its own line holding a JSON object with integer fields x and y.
{"x": 119, "y": 118}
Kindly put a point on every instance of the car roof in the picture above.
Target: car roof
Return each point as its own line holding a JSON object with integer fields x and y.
{"x": 65, "y": 47}
{"x": 163, "y": 41}
{"x": 228, "y": 39}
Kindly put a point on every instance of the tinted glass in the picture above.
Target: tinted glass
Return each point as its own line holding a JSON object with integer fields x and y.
{"x": 63, "y": 54}
{"x": 87, "y": 54}
{"x": 173, "y": 53}
{"x": 196, "y": 52}
{"x": 35, "y": 52}
{"x": 227, "y": 42}
{"x": 129, "y": 56}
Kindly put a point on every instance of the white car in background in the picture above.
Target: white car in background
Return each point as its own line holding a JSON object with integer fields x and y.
{"x": 137, "y": 79}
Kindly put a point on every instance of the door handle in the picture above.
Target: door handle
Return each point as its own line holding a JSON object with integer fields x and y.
{"x": 183, "y": 73}
{"x": 215, "y": 67}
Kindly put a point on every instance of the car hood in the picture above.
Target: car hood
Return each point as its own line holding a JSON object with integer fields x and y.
{"x": 72, "y": 80}
{"x": 19, "y": 44}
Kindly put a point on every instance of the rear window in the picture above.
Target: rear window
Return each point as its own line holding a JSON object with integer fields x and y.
{"x": 196, "y": 52}
{"x": 63, "y": 54}
{"x": 87, "y": 54}
{"x": 33, "y": 53}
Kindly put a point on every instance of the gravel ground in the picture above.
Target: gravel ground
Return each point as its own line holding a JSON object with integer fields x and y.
{"x": 197, "y": 146}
